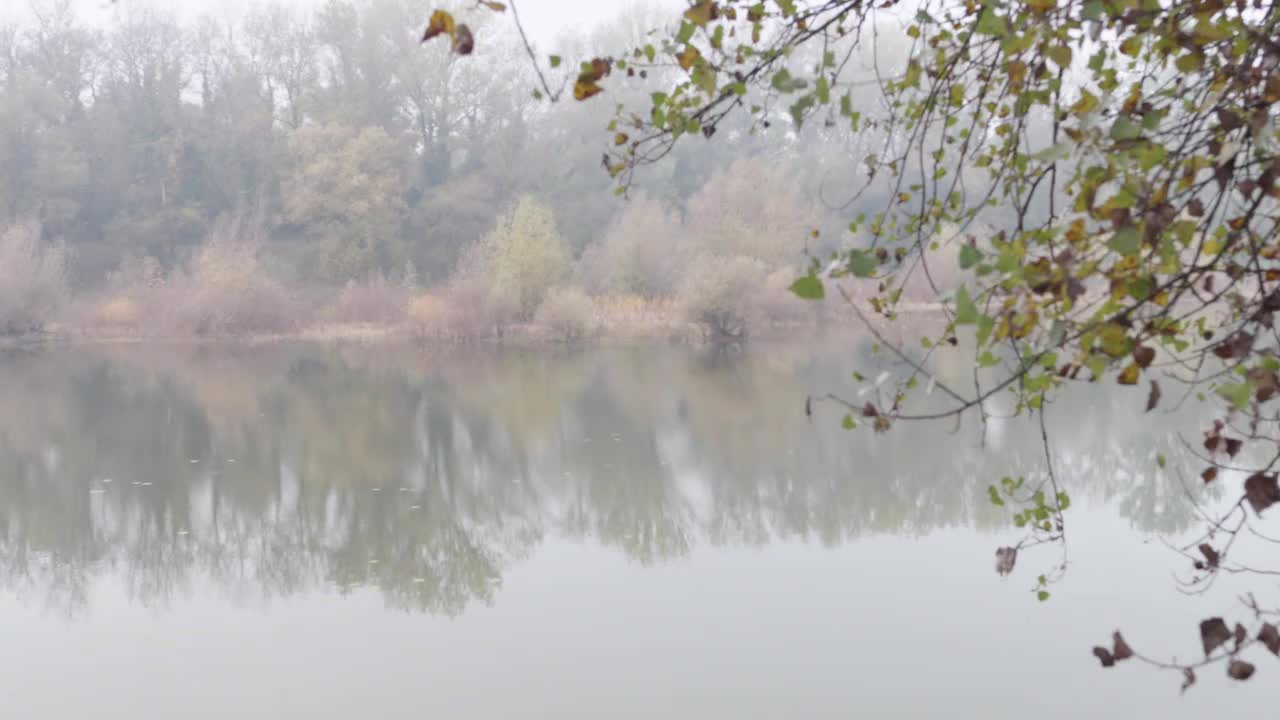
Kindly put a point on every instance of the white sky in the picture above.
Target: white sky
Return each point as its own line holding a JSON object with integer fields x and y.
{"x": 542, "y": 18}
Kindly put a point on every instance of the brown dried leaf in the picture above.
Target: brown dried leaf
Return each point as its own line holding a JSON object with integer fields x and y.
{"x": 1104, "y": 656}
{"x": 1213, "y": 633}
{"x": 1270, "y": 637}
{"x": 1233, "y": 446}
{"x": 463, "y": 41}
{"x": 870, "y": 411}
{"x": 1006, "y": 557}
{"x": 1237, "y": 345}
{"x": 1188, "y": 678}
{"x": 1119, "y": 648}
{"x": 1240, "y": 670}
{"x": 1262, "y": 491}
{"x": 1153, "y": 397}
{"x": 1209, "y": 475}
{"x": 1211, "y": 442}
{"x": 1211, "y": 556}
{"x": 1144, "y": 355}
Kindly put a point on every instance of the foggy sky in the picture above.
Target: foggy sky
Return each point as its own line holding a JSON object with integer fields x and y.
{"x": 543, "y": 19}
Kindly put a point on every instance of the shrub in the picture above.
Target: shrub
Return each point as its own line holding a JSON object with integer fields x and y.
{"x": 227, "y": 291}
{"x": 568, "y": 313}
{"x": 463, "y": 311}
{"x": 720, "y": 294}
{"x": 643, "y": 253}
{"x": 33, "y": 283}
{"x": 376, "y": 300}
{"x": 754, "y": 209}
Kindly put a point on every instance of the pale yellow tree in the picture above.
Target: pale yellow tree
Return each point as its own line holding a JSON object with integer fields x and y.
{"x": 522, "y": 257}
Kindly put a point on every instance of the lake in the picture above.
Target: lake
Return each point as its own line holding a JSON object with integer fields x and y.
{"x": 291, "y": 531}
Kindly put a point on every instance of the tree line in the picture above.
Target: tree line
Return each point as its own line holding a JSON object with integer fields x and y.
{"x": 344, "y": 149}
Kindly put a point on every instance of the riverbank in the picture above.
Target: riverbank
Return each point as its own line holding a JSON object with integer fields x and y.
{"x": 618, "y": 322}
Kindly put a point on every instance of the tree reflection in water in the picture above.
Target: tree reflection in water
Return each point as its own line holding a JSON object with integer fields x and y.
{"x": 273, "y": 471}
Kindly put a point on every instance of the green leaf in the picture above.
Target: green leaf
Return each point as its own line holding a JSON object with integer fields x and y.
{"x": 1092, "y": 10}
{"x": 990, "y": 24}
{"x": 823, "y": 90}
{"x": 966, "y": 311}
{"x": 808, "y": 287}
{"x": 848, "y": 423}
{"x": 555, "y": 61}
{"x": 986, "y": 324}
{"x": 969, "y": 256}
{"x": 784, "y": 83}
{"x": 862, "y": 263}
{"x": 994, "y": 496}
{"x": 685, "y": 34}
{"x": 1126, "y": 241}
{"x": 1061, "y": 55}
{"x": 1125, "y": 129}
{"x": 1188, "y": 63}
{"x": 1042, "y": 595}
{"x": 799, "y": 108}
{"x": 1237, "y": 393}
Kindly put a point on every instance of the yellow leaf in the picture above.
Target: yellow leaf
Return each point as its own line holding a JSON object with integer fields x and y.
{"x": 1087, "y": 102}
{"x": 496, "y": 6}
{"x": 1130, "y": 375}
{"x": 441, "y": 23}
{"x": 688, "y": 56}
{"x": 1017, "y": 74}
{"x": 620, "y": 139}
{"x": 584, "y": 89}
{"x": 702, "y": 12}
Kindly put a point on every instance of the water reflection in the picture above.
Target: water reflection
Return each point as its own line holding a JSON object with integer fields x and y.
{"x": 282, "y": 470}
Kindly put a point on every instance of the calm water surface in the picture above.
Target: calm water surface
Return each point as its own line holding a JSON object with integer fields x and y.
{"x": 293, "y": 532}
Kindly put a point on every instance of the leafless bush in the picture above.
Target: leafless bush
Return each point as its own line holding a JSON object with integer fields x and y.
{"x": 720, "y": 295}
{"x": 225, "y": 292}
{"x": 374, "y": 301}
{"x": 754, "y": 209}
{"x": 32, "y": 279}
{"x": 463, "y": 311}
{"x": 568, "y": 313}
{"x": 643, "y": 253}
